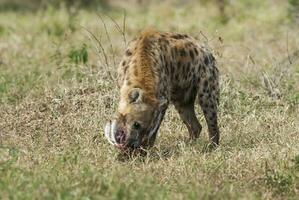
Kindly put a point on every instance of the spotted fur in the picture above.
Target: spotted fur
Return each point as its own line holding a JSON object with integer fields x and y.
{"x": 174, "y": 67}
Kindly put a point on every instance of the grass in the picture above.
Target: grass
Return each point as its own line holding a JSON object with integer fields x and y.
{"x": 57, "y": 91}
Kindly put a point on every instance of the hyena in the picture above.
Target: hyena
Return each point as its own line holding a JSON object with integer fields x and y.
{"x": 160, "y": 68}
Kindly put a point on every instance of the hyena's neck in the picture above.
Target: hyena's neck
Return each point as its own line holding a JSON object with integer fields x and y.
{"x": 142, "y": 73}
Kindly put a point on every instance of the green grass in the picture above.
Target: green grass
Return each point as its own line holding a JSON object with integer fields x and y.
{"x": 57, "y": 91}
{"x": 79, "y": 55}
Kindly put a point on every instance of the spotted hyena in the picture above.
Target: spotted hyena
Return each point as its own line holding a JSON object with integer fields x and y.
{"x": 159, "y": 68}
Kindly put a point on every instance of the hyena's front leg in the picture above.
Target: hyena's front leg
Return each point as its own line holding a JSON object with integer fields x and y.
{"x": 189, "y": 118}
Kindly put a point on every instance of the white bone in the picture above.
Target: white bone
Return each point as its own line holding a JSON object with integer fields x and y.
{"x": 113, "y": 131}
{"x": 108, "y": 133}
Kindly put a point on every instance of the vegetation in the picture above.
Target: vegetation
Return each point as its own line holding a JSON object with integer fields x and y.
{"x": 58, "y": 89}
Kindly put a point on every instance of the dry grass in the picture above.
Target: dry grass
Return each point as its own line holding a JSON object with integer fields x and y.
{"x": 53, "y": 107}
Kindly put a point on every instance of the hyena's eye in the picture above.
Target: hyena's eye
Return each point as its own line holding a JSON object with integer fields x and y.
{"x": 136, "y": 125}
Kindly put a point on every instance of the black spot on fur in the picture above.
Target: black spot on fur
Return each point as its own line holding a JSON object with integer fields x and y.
{"x": 195, "y": 51}
{"x": 191, "y": 54}
{"x": 136, "y": 72}
{"x": 212, "y": 106}
{"x": 126, "y": 68}
{"x": 188, "y": 65}
{"x": 184, "y": 70}
{"x": 205, "y": 83}
{"x": 161, "y": 58}
{"x": 166, "y": 69}
{"x": 205, "y": 105}
{"x": 200, "y": 101}
{"x": 206, "y": 60}
{"x": 211, "y": 118}
{"x": 214, "y": 115}
{"x": 214, "y": 73}
{"x": 123, "y": 63}
{"x": 209, "y": 96}
{"x": 170, "y": 68}
{"x": 178, "y": 36}
{"x": 161, "y": 48}
{"x": 213, "y": 87}
{"x": 183, "y": 52}
{"x": 206, "y": 90}
{"x": 128, "y": 52}
{"x": 165, "y": 60}
{"x": 179, "y": 64}
{"x": 189, "y": 44}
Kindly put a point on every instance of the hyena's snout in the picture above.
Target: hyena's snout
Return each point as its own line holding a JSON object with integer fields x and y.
{"x": 120, "y": 137}
{"x": 115, "y": 134}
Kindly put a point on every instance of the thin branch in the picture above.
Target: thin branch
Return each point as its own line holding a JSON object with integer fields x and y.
{"x": 293, "y": 56}
{"x": 124, "y": 28}
{"x": 109, "y": 39}
{"x": 288, "y": 48}
{"x": 103, "y": 51}
{"x": 201, "y": 33}
{"x": 119, "y": 29}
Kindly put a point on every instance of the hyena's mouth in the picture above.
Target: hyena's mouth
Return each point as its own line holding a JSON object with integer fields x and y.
{"x": 120, "y": 138}
{"x": 116, "y": 137}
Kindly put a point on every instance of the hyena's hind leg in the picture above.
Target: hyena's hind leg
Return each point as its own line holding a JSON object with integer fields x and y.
{"x": 208, "y": 97}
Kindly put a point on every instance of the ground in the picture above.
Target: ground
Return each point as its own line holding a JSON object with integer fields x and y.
{"x": 58, "y": 89}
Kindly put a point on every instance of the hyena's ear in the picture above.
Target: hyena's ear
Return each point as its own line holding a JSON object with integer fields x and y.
{"x": 135, "y": 95}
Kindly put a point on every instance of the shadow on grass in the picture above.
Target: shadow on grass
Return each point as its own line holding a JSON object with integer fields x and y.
{"x": 168, "y": 151}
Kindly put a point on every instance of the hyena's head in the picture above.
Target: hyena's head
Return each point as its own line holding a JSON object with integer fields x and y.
{"x": 137, "y": 120}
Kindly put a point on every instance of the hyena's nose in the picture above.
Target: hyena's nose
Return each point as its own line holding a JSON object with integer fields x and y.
{"x": 120, "y": 137}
